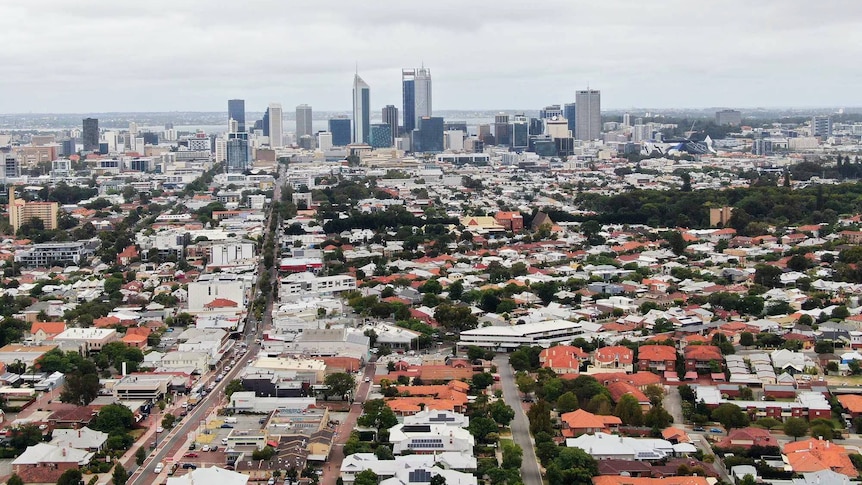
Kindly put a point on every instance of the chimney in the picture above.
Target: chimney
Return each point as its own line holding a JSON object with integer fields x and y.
{"x": 64, "y": 451}
{"x": 124, "y": 369}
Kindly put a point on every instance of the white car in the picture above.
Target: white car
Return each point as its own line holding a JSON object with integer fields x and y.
{"x": 205, "y": 448}
{"x": 367, "y": 379}
{"x": 160, "y": 430}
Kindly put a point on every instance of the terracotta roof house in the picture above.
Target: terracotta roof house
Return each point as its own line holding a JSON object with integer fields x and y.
{"x": 563, "y": 359}
{"x": 699, "y": 358}
{"x": 106, "y": 322}
{"x": 675, "y": 435}
{"x": 42, "y": 331}
{"x": 619, "y": 389}
{"x": 579, "y": 422}
{"x": 219, "y": 303}
{"x": 748, "y": 437}
{"x": 656, "y": 358}
{"x": 852, "y": 403}
{"x": 623, "y": 480}
{"x": 633, "y": 468}
{"x": 512, "y": 221}
{"x": 814, "y": 454}
{"x": 617, "y": 357}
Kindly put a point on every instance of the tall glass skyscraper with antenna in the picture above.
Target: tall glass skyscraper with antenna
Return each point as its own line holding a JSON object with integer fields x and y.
{"x": 361, "y": 110}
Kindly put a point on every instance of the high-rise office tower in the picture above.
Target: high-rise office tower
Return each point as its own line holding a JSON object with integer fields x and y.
{"x": 428, "y": 137}
{"x": 627, "y": 119}
{"x": 361, "y": 110}
{"x": 90, "y": 135}
{"x": 303, "y": 121}
{"x": 340, "y": 129}
{"x": 821, "y": 126}
{"x": 390, "y": 117}
{"x": 275, "y": 125}
{"x": 238, "y": 153}
{"x": 550, "y": 111}
{"x": 380, "y": 135}
{"x": 502, "y": 129}
{"x": 588, "y": 125}
{"x": 570, "y": 113}
{"x": 416, "y": 96}
{"x": 520, "y": 132}
{"x": 236, "y": 112}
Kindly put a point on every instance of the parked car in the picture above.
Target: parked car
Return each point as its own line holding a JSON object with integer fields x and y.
{"x": 160, "y": 430}
{"x": 192, "y": 446}
{"x": 715, "y": 430}
{"x": 214, "y": 448}
{"x": 190, "y": 455}
{"x": 191, "y": 466}
{"x": 205, "y": 448}
{"x": 698, "y": 428}
{"x": 227, "y": 426}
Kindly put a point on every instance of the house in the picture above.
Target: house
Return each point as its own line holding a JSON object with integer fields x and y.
{"x": 86, "y": 340}
{"x": 359, "y": 462}
{"x": 789, "y": 361}
{"x": 603, "y": 446}
{"x": 748, "y": 437}
{"x": 413, "y": 399}
{"x": 580, "y": 422}
{"x": 563, "y": 359}
{"x": 44, "y": 463}
{"x": 613, "y": 359}
{"x": 512, "y": 221}
{"x": 430, "y": 439}
{"x": 702, "y": 358}
{"x": 624, "y": 480}
{"x": 852, "y": 403}
{"x": 656, "y": 358}
{"x": 815, "y": 454}
{"x": 82, "y": 439}
{"x": 618, "y": 389}
{"x": 42, "y": 331}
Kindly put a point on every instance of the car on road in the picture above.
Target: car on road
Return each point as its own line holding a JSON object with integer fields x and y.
{"x": 190, "y": 455}
{"x": 367, "y": 379}
{"x": 698, "y": 428}
{"x": 159, "y": 467}
{"x": 715, "y": 430}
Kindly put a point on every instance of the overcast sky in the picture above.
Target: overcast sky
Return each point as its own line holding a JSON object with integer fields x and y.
{"x": 185, "y": 55}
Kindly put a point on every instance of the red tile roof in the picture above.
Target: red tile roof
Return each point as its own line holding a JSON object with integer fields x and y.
{"x": 617, "y": 352}
{"x": 656, "y": 353}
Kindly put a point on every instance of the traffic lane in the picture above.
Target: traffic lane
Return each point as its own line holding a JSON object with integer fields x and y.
{"x": 519, "y": 426}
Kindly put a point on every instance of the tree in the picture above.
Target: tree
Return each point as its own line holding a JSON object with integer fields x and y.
{"x": 795, "y": 427}
{"x": 113, "y": 418}
{"x": 748, "y": 479}
{"x": 140, "y": 456}
{"x": 572, "y": 465}
{"x": 655, "y": 393}
{"x": 629, "y": 410}
{"x": 539, "y": 416}
{"x": 24, "y": 436}
{"x": 232, "y": 387}
{"x": 475, "y": 353}
{"x": 657, "y": 417}
{"x": 512, "y": 455}
{"x": 567, "y": 402}
{"x": 730, "y": 416}
{"x": 677, "y": 243}
{"x": 81, "y": 387}
{"x": 376, "y": 414}
{"x": 438, "y": 479}
{"x": 840, "y": 312}
{"x": 823, "y": 431}
{"x": 168, "y": 421}
{"x": 458, "y": 318}
{"x": 501, "y": 412}
{"x": 766, "y": 275}
{"x": 120, "y": 475}
{"x": 480, "y": 427}
{"x": 365, "y": 477}
{"x": 746, "y": 339}
{"x": 14, "y": 480}
{"x": 340, "y": 383}
{"x": 71, "y": 476}
{"x": 481, "y": 380}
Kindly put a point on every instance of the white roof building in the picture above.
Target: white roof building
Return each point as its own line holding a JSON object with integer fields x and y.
{"x": 209, "y": 475}
{"x": 430, "y": 438}
{"x": 603, "y": 446}
{"x": 539, "y": 333}
{"x": 46, "y": 453}
{"x": 81, "y": 439}
{"x": 359, "y": 462}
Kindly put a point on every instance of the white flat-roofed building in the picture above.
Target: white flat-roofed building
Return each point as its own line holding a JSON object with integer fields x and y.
{"x": 359, "y": 462}
{"x": 446, "y": 418}
{"x": 210, "y": 474}
{"x": 86, "y": 339}
{"x": 280, "y": 364}
{"x": 429, "y": 439}
{"x": 511, "y": 337}
{"x": 194, "y": 359}
{"x": 217, "y": 286}
{"x": 81, "y": 439}
{"x": 304, "y": 285}
{"x": 142, "y": 387}
{"x": 58, "y": 253}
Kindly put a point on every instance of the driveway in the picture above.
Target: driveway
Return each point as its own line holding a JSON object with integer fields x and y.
{"x": 520, "y": 426}
{"x": 672, "y": 403}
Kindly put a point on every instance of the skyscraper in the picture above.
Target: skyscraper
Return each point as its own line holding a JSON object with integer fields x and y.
{"x": 502, "y": 129}
{"x": 236, "y": 112}
{"x": 90, "y": 135}
{"x": 275, "y": 125}
{"x": 428, "y": 137}
{"x": 380, "y": 136}
{"x": 520, "y": 132}
{"x": 303, "y": 121}
{"x": 390, "y": 117}
{"x": 238, "y": 155}
{"x": 361, "y": 110}
{"x": 340, "y": 129}
{"x": 570, "y": 113}
{"x": 821, "y": 126}
{"x": 416, "y": 96}
{"x": 588, "y": 124}
{"x": 550, "y": 111}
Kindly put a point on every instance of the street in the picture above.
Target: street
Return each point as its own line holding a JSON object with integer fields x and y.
{"x": 520, "y": 426}
{"x": 332, "y": 470}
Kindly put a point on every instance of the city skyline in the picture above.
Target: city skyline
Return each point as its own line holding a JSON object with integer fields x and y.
{"x": 635, "y": 55}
